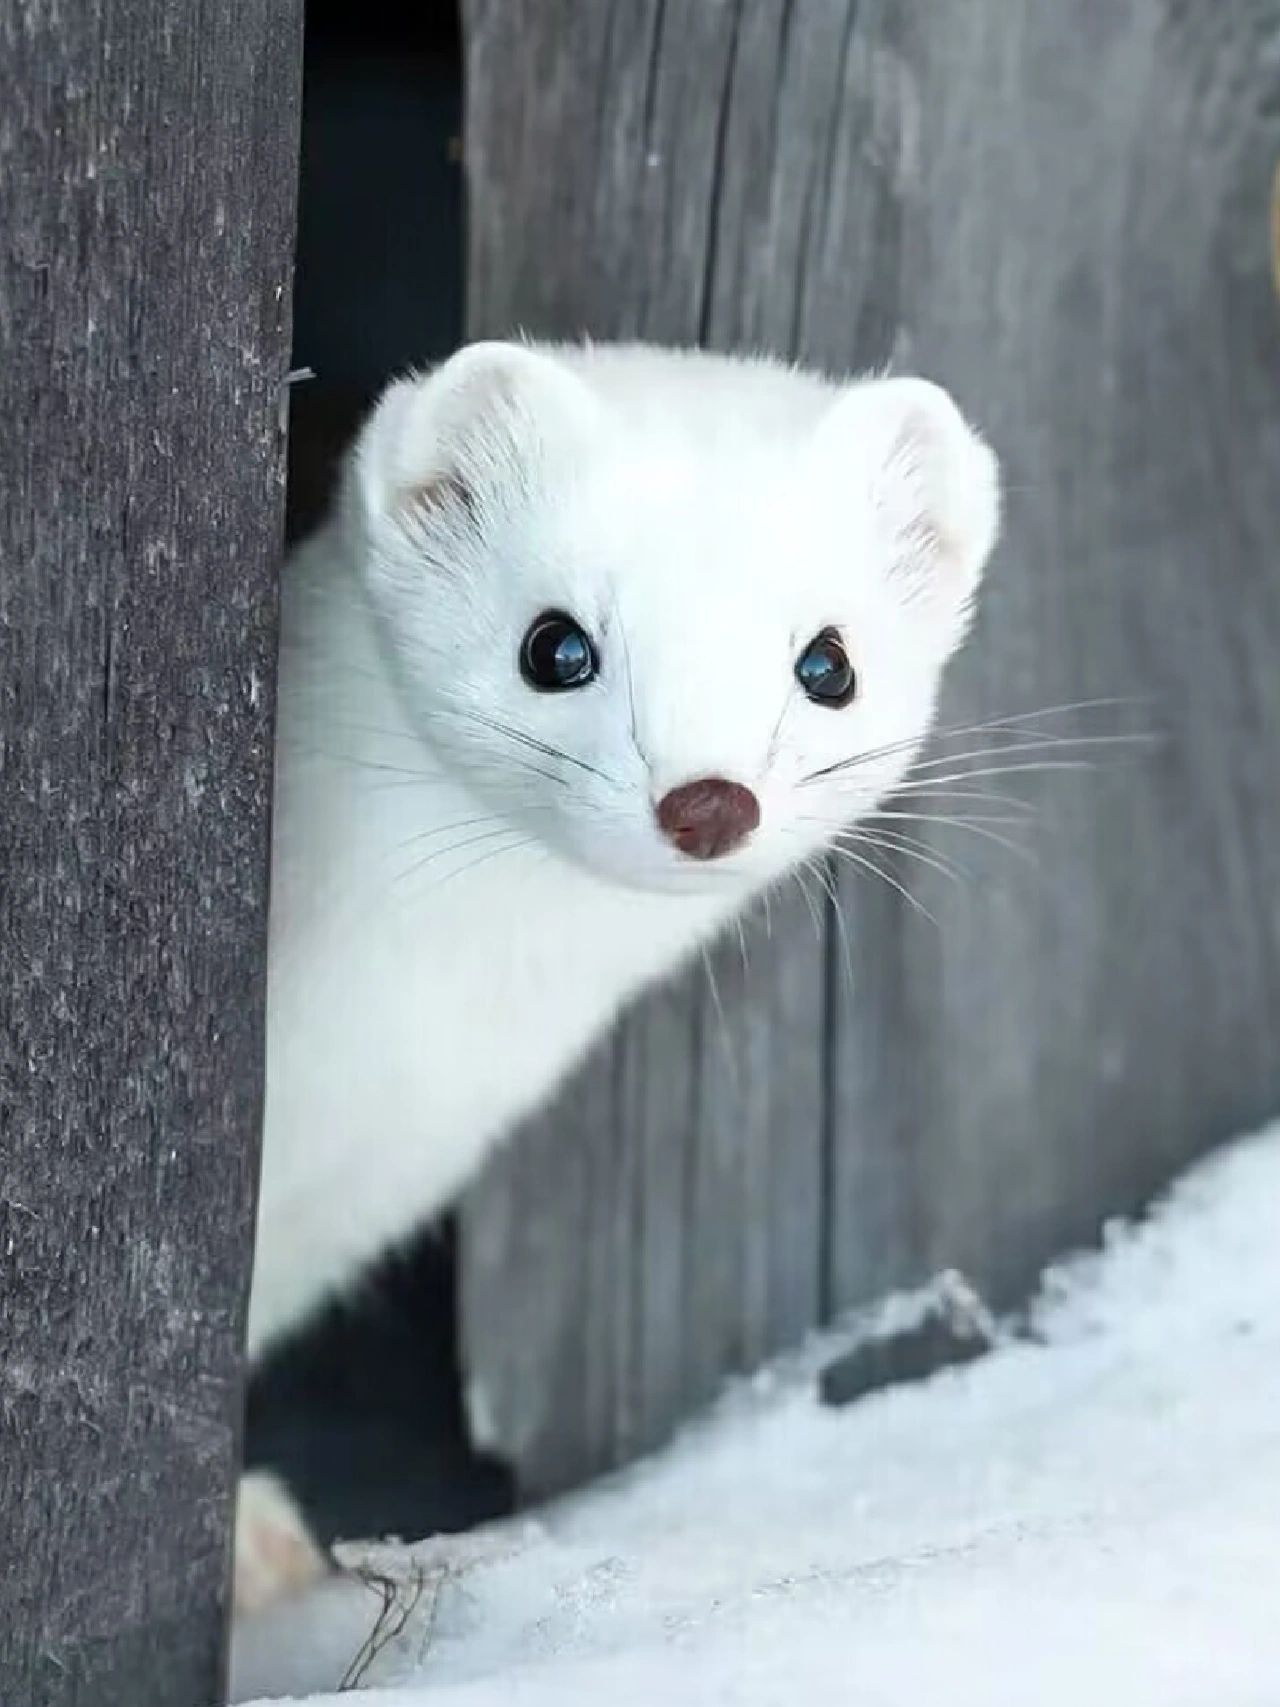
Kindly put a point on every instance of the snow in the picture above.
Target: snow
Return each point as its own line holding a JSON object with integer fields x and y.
{"x": 1091, "y": 1513}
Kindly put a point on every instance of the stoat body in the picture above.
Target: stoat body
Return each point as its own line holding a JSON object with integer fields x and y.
{"x": 597, "y": 644}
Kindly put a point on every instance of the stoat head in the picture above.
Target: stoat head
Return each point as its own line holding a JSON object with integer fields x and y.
{"x": 678, "y": 616}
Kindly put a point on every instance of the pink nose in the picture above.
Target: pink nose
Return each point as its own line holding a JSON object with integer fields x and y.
{"x": 708, "y": 818}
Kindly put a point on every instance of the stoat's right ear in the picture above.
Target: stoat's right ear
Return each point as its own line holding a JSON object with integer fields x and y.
{"x": 932, "y": 483}
{"x": 461, "y": 437}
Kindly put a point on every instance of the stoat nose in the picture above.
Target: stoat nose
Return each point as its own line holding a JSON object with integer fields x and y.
{"x": 708, "y": 818}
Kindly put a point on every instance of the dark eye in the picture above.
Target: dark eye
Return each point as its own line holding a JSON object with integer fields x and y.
{"x": 824, "y": 671}
{"x": 557, "y": 654}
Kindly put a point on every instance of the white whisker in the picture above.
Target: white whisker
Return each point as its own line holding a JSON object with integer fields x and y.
{"x": 892, "y": 841}
{"x": 481, "y": 859}
{"x": 1021, "y": 732}
{"x": 800, "y": 873}
{"x": 924, "y": 785}
{"x": 726, "y": 1041}
{"x": 1033, "y": 744}
{"x": 742, "y": 947}
{"x": 827, "y": 879}
{"x": 975, "y": 826}
{"x": 886, "y": 877}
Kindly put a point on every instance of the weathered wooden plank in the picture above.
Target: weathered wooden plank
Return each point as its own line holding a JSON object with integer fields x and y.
{"x": 1084, "y": 259}
{"x": 148, "y": 164}
{"x": 1063, "y": 216}
{"x": 663, "y": 1224}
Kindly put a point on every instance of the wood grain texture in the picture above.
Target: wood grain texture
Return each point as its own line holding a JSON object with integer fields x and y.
{"x": 662, "y": 1224}
{"x": 148, "y": 166}
{"x": 1062, "y": 213}
{"x": 1085, "y": 263}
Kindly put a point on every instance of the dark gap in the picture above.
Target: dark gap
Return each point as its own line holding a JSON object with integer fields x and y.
{"x": 378, "y": 286}
{"x": 363, "y": 1416}
{"x": 362, "y": 1413}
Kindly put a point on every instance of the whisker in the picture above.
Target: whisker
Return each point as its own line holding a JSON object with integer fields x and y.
{"x": 1109, "y": 703}
{"x": 533, "y": 770}
{"x": 468, "y": 824}
{"x": 1022, "y": 728}
{"x": 1034, "y": 744}
{"x": 631, "y": 685}
{"x": 976, "y": 826}
{"x": 369, "y": 764}
{"x": 1019, "y": 742}
{"x": 801, "y": 871}
{"x": 726, "y": 1042}
{"x": 742, "y": 947}
{"x": 772, "y": 748}
{"x": 444, "y": 829}
{"x": 480, "y": 859}
{"x": 347, "y": 727}
{"x": 918, "y": 846}
{"x": 924, "y": 784}
{"x": 856, "y": 760}
{"x": 911, "y": 847}
{"x": 1019, "y": 820}
{"x": 987, "y": 796}
{"x": 827, "y": 879}
{"x": 1025, "y": 811}
{"x": 886, "y": 877}
{"x": 524, "y": 739}
{"x": 401, "y": 776}
{"x": 454, "y": 847}
{"x": 1014, "y": 808}
{"x": 439, "y": 781}
{"x": 849, "y": 820}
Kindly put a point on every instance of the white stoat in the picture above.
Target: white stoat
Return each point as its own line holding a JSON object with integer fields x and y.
{"x": 598, "y": 642}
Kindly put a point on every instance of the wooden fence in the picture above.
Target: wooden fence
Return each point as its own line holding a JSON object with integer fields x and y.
{"x": 1061, "y": 211}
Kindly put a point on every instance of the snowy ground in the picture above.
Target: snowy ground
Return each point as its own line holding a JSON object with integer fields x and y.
{"x": 1093, "y": 1518}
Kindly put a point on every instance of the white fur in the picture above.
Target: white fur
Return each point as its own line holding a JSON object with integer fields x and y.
{"x": 456, "y": 916}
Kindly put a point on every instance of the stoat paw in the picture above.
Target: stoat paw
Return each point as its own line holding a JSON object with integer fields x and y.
{"x": 276, "y": 1555}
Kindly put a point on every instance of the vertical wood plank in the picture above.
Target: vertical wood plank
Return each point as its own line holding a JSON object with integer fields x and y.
{"x": 662, "y": 170}
{"x": 1084, "y": 258}
{"x": 147, "y": 165}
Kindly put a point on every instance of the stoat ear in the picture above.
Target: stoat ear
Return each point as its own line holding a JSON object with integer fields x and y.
{"x": 934, "y": 484}
{"x": 485, "y": 421}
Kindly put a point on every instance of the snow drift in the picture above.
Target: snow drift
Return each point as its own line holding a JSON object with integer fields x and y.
{"x": 1089, "y": 1513}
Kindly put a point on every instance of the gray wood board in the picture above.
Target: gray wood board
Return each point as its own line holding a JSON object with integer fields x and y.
{"x": 148, "y": 164}
{"x": 1061, "y": 212}
{"x": 1085, "y": 263}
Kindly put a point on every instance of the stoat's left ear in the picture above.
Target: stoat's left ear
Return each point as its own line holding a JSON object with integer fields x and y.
{"x": 934, "y": 485}
{"x": 479, "y": 428}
